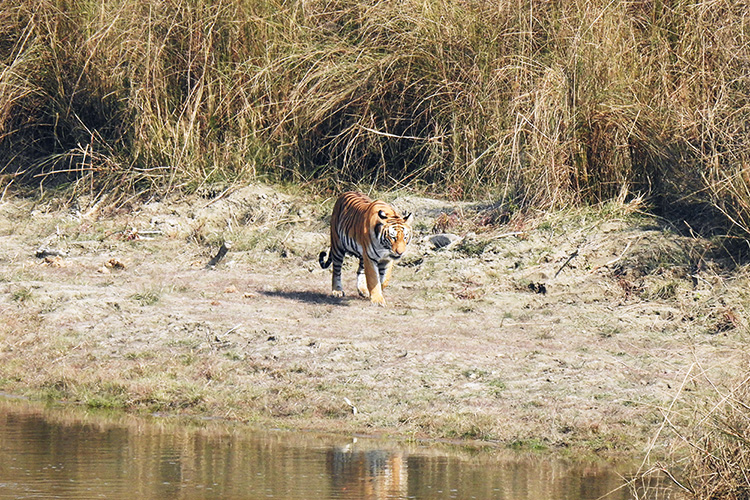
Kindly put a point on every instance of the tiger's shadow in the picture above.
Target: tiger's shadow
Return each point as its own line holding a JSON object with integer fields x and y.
{"x": 308, "y": 297}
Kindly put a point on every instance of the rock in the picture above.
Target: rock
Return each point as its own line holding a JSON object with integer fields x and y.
{"x": 444, "y": 240}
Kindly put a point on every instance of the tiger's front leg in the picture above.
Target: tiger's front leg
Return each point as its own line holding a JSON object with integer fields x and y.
{"x": 385, "y": 273}
{"x": 372, "y": 275}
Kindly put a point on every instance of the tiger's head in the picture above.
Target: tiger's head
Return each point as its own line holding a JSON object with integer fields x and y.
{"x": 393, "y": 232}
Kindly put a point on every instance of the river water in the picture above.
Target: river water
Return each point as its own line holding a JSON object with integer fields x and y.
{"x": 71, "y": 454}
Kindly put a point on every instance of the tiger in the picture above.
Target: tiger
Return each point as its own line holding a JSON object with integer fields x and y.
{"x": 371, "y": 231}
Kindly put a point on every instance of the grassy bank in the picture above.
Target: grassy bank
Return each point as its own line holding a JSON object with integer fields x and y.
{"x": 537, "y": 103}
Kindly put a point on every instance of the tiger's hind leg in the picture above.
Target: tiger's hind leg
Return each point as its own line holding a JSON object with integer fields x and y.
{"x": 362, "y": 279}
{"x": 337, "y": 289}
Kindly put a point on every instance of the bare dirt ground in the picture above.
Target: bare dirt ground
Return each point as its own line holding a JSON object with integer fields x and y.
{"x": 493, "y": 338}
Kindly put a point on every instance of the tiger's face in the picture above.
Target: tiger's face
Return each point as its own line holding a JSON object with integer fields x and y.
{"x": 395, "y": 233}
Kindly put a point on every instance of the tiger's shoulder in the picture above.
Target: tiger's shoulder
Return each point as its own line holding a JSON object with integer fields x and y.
{"x": 356, "y": 204}
{"x": 353, "y": 204}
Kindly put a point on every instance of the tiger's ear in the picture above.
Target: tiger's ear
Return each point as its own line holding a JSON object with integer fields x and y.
{"x": 382, "y": 214}
{"x": 409, "y": 218}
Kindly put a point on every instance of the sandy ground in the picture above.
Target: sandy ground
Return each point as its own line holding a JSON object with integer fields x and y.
{"x": 566, "y": 331}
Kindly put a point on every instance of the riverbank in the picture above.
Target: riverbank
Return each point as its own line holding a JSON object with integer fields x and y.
{"x": 563, "y": 331}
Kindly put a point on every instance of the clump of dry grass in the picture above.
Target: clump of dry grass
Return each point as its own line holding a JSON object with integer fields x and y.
{"x": 710, "y": 457}
{"x": 535, "y": 103}
{"x": 720, "y": 457}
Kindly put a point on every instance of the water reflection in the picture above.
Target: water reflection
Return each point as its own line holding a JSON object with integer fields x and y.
{"x": 59, "y": 453}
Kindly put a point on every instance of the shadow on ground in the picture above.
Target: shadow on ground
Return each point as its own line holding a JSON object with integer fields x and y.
{"x": 308, "y": 297}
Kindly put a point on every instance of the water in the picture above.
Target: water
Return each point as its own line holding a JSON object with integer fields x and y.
{"x": 69, "y": 454}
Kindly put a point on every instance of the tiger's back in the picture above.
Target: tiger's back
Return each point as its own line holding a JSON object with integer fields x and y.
{"x": 371, "y": 231}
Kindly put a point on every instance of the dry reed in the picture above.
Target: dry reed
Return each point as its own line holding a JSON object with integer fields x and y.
{"x": 532, "y": 102}
{"x": 709, "y": 456}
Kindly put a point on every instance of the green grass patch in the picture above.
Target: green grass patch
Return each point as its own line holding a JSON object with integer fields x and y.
{"x": 22, "y": 294}
{"x": 529, "y": 445}
{"x": 146, "y": 297}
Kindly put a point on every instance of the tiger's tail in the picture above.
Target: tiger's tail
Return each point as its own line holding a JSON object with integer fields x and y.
{"x": 321, "y": 258}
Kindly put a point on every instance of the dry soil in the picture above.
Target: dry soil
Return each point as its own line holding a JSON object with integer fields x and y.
{"x": 568, "y": 331}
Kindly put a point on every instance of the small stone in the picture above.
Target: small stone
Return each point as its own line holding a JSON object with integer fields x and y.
{"x": 444, "y": 240}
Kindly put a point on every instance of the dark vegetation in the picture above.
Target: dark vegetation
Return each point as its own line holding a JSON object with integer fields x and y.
{"x": 537, "y": 104}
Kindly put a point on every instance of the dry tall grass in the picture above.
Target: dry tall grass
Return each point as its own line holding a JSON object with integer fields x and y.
{"x": 720, "y": 462}
{"x": 709, "y": 458}
{"x": 539, "y": 103}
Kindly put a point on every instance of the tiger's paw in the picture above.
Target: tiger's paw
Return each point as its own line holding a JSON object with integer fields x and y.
{"x": 337, "y": 293}
{"x": 362, "y": 286}
{"x": 377, "y": 299}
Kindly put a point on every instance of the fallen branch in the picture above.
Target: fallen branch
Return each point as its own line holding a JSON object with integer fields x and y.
{"x": 572, "y": 256}
{"x": 219, "y": 255}
{"x": 42, "y": 252}
{"x": 505, "y": 235}
{"x": 620, "y": 256}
